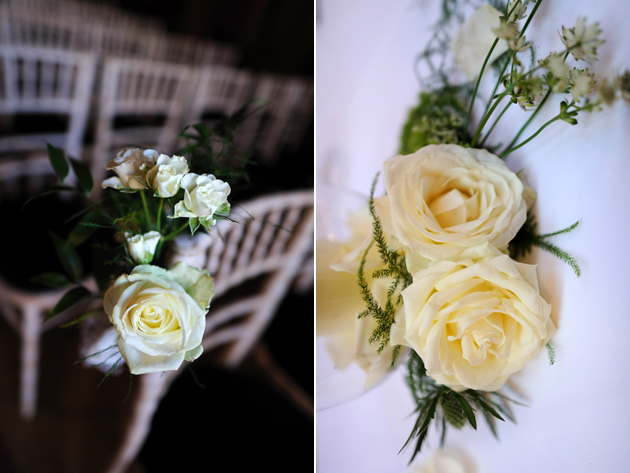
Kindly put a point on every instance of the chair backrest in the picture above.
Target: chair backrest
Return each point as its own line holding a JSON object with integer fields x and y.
{"x": 140, "y": 89}
{"x": 46, "y": 81}
{"x": 269, "y": 245}
{"x": 268, "y": 127}
{"x": 219, "y": 90}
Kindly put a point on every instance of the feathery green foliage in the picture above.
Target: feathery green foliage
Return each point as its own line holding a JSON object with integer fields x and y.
{"x": 551, "y": 354}
{"x": 447, "y": 407}
{"x": 522, "y": 243}
{"x": 396, "y": 269}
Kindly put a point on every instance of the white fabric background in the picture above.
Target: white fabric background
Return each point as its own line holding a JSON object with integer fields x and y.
{"x": 578, "y": 419}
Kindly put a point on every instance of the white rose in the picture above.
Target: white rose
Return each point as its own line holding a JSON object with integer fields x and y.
{"x": 130, "y": 167}
{"x": 142, "y": 247}
{"x": 166, "y": 176}
{"x": 475, "y": 321}
{"x": 159, "y": 315}
{"x": 339, "y": 302}
{"x": 203, "y": 196}
{"x": 473, "y": 41}
{"x": 445, "y": 198}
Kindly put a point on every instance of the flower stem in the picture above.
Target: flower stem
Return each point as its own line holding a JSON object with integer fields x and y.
{"x": 172, "y": 235}
{"x": 486, "y": 118}
{"x": 472, "y": 100}
{"x": 520, "y": 132}
{"x": 494, "y": 124}
{"x": 159, "y": 214}
{"x": 530, "y": 17}
{"x": 146, "y": 208}
{"x": 505, "y": 153}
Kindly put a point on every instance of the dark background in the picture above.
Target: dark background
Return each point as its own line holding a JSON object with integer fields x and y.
{"x": 238, "y": 422}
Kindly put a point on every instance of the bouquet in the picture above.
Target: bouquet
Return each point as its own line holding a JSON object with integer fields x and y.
{"x": 437, "y": 266}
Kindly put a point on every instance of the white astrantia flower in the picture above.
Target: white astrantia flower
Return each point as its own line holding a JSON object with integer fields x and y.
{"x": 142, "y": 247}
{"x": 555, "y": 63}
{"x": 582, "y": 40}
{"x": 204, "y": 195}
{"x": 506, "y": 30}
{"x": 159, "y": 315}
{"x": 131, "y": 166}
{"x": 582, "y": 83}
{"x": 473, "y": 41}
{"x": 519, "y": 45}
{"x": 166, "y": 176}
{"x": 475, "y": 319}
{"x": 518, "y": 9}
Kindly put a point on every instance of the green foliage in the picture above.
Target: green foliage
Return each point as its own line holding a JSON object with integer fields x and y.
{"x": 551, "y": 354}
{"x": 394, "y": 268}
{"x": 437, "y": 119}
{"x": 447, "y": 407}
{"x": 68, "y": 256}
{"x": 51, "y": 279}
{"x": 83, "y": 175}
{"x": 82, "y": 318}
{"x": 522, "y": 243}
{"x": 69, "y": 299}
{"x": 58, "y": 161}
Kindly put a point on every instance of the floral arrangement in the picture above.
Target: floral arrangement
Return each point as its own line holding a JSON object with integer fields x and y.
{"x": 158, "y": 310}
{"x": 436, "y": 257}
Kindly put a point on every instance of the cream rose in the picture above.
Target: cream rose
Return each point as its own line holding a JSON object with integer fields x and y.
{"x": 474, "y": 321}
{"x": 130, "y": 167}
{"x": 473, "y": 41}
{"x": 142, "y": 247}
{"x": 445, "y": 198}
{"x": 159, "y": 315}
{"x": 167, "y": 174}
{"x": 203, "y": 196}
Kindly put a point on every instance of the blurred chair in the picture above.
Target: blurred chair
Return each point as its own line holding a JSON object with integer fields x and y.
{"x": 150, "y": 96}
{"x": 219, "y": 91}
{"x": 285, "y": 97}
{"x": 258, "y": 258}
{"x": 41, "y": 81}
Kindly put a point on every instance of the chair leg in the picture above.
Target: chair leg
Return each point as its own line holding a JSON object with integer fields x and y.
{"x": 152, "y": 387}
{"x": 31, "y": 330}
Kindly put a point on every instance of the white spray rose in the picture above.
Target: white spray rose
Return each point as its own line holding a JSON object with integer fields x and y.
{"x": 131, "y": 167}
{"x": 142, "y": 247}
{"x": 473, "y": 41}
{"x": 445, "y": 198}
{"x": 474, "y": 321}
{"x": 166, "y": 176}
{"x": 203, "y": 196}
{"x": 159, "y": 315}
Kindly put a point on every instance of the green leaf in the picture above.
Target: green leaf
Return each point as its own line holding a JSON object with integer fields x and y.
{"x": 486, "y": 407}
{"x": 52, "y": 190}
{"x": 84, "y": 229}
{"x": 83, "y": 175}
{"x": 58, "y": 161}
{"x": 194, "y": 225}
{"x": 82, "y": 318}
{"x": 69, "y": 299}
{"x": 224, "y": 209}
{"x": 68, "y": 256}
{"x": 51, "y": 279}
{"x": 468, "y": 411}
{"x": 202, "y": 129}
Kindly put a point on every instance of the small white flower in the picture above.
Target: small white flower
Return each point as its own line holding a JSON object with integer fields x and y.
{"x": 142, "y": 247}
{"x": 166, "y": 176}
{"x": 556, "y": 65}
{"x": 582, "y": 41}
{"x": 518, "y": 9}
{"x": 203, "y": 196}
{"x": 506, "y": 30}
{"x": 607, "y": 91}
{"x": 582, "y": 83}
{"x": 130, "y": 166}
{"x": 519, "y": 45}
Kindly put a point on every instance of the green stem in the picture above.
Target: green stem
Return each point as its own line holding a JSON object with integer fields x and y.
{"x": 146, "y": 208}
{"x": 530, "y": 18}
{"x": 472, "y": 100}
{"x": 486, "y": 118}
{"x": 496, "y": 86}
{"x": 505, "y": 153}
{"x": 520, "y": 132}
{"x": 159, "y": 214}
{"x": 494, "y": 124}
{"x": 172, "y": 235}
